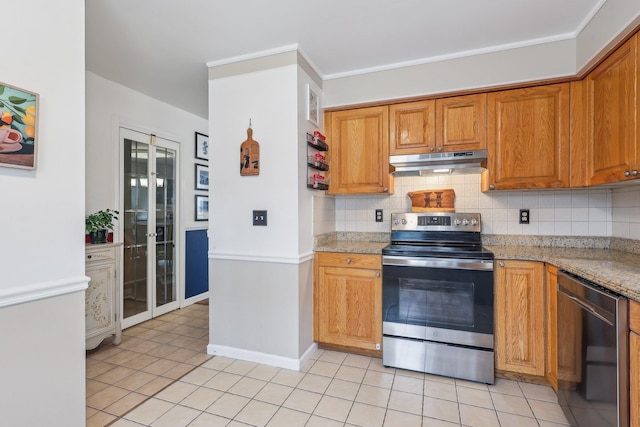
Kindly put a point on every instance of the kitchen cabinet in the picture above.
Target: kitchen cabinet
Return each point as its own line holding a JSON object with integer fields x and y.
{"x": 461, "y": 123}
{"x": 412, "y": 127}
{"x": 348, "y": 302}
{"x": 634, "y": 363}
{"x": 611, "y": 92}
{"x": 443, "y": 125}
{"x": 519, "y": 317}
{"x": 102, "y": 316}
{"x": 359, "y": 151}
{"x": 551, "y": 326}
{"x": 528, "y": 138}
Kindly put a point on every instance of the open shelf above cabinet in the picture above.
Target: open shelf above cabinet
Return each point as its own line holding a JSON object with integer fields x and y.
{"x": 316, "y": 161}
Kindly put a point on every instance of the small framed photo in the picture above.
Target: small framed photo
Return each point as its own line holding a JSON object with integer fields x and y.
{"x": 202, "y": 177}
{"x": 18, "y": 127}
{"x": 202, "y": 146}
{"x": 313, "y": 107}
{"x": 202, "y": 208}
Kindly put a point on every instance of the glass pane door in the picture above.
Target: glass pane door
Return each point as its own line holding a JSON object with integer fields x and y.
{"x": 148, "y": 217}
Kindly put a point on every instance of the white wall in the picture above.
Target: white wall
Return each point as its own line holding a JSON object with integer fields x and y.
{"x": 110, "y": 105}
{"x": 261, "y": 277}
{"x": 626, "y": 212}
{"x": 42, "y": 278}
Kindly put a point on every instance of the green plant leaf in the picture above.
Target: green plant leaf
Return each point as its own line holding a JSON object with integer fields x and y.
{"x": 2, "y": 89}
{"x": 17, "y": 100}
{"x": 18, "y": 119}
{"x": 20, "y": 109}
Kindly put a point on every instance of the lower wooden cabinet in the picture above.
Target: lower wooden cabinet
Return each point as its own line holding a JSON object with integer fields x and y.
{"x": 634, "y": 363}
{"x": 102, "y": 302}
{"x": 551, "y": 327}
{"x": 348, "y": 301}
{"x": 520, "y": 317}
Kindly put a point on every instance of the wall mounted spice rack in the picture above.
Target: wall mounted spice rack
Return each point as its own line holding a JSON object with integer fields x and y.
{"x": 316, "y": 161}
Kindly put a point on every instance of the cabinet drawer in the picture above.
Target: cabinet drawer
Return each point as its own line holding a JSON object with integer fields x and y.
{"x": 634, "y": 316}
{"x": 339, "y": 259}
{"x": 98, "y": 255}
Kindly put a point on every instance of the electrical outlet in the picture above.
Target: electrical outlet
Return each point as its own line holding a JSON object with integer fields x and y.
{"x": 378, "y": 215}
{"x": 259, "y": 217}
{"x": 524, "y": 216}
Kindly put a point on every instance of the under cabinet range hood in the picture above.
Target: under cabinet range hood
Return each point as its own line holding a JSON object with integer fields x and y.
{"x": 459, "y": 162}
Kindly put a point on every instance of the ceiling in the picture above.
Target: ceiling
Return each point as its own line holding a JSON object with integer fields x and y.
{"x": 161, "y": 47}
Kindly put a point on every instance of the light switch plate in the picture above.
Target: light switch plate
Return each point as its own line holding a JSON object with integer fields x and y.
{"x": 260, "y": 218}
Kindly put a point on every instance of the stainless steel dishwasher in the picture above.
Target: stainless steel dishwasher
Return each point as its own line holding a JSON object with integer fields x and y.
{"x": 593, "y": 353}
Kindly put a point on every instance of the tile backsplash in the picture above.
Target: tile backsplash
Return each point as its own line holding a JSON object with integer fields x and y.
{"x": 600, "y": 211}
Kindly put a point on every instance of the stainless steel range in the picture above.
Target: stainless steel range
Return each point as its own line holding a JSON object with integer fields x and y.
{"x": 437, "y": 301}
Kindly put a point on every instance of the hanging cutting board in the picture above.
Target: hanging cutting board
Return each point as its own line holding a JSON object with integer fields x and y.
{"x": 432, "y": 200}
{"x": 249, "y": 156}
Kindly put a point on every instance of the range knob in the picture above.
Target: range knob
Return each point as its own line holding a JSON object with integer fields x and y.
{"x": 457, "y": 221}
{"x": 474, "y": 222}
{"x": 404, "y": 221}
{"x": 396, "y": 221}
{"x": 465, "y": 222}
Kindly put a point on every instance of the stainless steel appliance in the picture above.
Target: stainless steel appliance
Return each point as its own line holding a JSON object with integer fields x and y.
{"x": 593, "y": 354}
{"x": 437, "y": 296}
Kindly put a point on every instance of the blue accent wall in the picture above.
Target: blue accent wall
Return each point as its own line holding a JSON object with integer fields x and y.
{"x": 196, "y": 263}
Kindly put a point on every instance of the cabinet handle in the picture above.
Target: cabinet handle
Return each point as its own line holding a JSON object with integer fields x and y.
{"x": 492, "y": 187}
{"x": 348, "y": 260}
{"x": 377, "y": 274}
{"x": 627, "y": 173}
{"x": 501, "y": 264}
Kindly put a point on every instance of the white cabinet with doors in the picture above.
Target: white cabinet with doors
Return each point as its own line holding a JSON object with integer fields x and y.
{"x": 148, "y": 223}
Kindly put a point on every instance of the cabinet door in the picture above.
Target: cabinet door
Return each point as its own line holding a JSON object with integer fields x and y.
{"x": 634, "y": 372}
{"x": 350, "y": 307}
{"x": 359, "y": 151}
{"x": 551, "y": 292}
{"x": 519, "y": 331}
{"x": 461, "y": 123}
{"x": 99, "y": 303}
{"x": 528, "y": 133}
{"x": 611, "y": 116}
{"x": 412, "y": 128}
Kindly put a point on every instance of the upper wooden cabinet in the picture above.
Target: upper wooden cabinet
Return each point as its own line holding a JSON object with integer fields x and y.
{"x": 412, "y": 127}
{"x": 519, "y": 317}
{"x": 359, "y": 151}
{"x": 528, "y": 138}
{"x": 461, "y": 123}
{"x": 611, "y": 138}
{"x": 441, "y": 125}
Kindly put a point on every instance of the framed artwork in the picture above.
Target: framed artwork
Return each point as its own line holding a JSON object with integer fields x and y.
{"x": 202, "y": 146}
{"x": 202, "y": 177}
{"x": 313, "y": 106}
{"x": 18, "y": 127}
{"x": 202, "y": 208}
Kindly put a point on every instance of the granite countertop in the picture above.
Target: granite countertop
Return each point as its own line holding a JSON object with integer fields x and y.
{"x": 596, "y": 259}
{"x": 613, "y": 269}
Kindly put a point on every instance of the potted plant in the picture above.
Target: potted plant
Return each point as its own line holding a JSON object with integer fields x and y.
{"x": 98, "y": 225}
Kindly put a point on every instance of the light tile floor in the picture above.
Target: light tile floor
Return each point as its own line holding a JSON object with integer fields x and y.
{"x": 334, "y": 389}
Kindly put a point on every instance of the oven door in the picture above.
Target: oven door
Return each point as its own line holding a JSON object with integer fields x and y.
{"x": 442, "y": 300}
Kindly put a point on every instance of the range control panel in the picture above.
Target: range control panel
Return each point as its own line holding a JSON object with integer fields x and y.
{"x": 436, "y": 221}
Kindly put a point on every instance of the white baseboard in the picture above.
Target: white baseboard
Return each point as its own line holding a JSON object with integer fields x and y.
{"x": 263, "y": 358}
{"x": 194, "y": 299}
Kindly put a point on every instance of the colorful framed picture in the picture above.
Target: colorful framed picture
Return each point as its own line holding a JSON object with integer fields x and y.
{"x": 202, "y": 146}
{"x": 18, "y": 127}
{"x": 313, "y": 107}
{"x": 202, "y": 177}
{"x": 202, "y": 208}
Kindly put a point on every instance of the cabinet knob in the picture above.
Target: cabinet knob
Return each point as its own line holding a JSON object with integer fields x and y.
{"x": 348, "y": 260}
{"x": 492, "y": 186}
{"x": 431, "y": 148}
{"x": 627, "y": 173}
{"x": 89, "y": 256}
{"x": 634, "y": 172}
{"x": 501, "y": 264}
{"x": 377, "y": 274}
{"x": 385, "y": 189}
{"x": 439, "y": 148}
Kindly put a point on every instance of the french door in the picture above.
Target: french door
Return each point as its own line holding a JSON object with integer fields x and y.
{"x": 148, "y": 221}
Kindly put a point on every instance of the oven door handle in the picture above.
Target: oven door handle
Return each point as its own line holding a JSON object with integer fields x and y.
{"x": 460, "y": 264}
